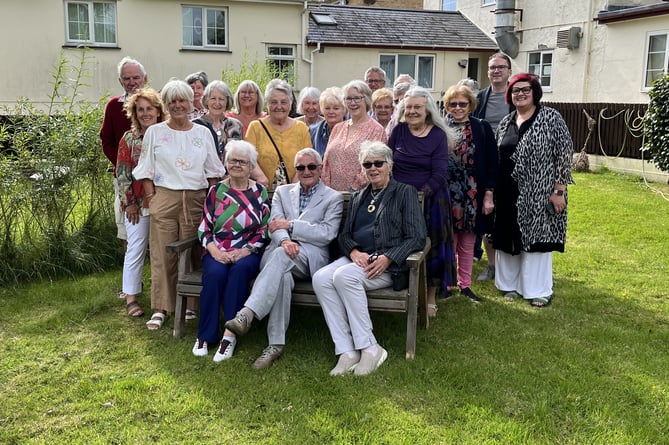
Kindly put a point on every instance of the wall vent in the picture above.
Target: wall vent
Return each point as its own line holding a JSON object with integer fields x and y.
{"x": 569, "y": 37}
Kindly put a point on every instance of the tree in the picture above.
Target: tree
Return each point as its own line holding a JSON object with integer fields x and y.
{"x": 656, "y": 124}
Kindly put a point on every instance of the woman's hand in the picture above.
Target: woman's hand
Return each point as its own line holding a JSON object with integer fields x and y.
{"x": 488, "y": 203}
{"x": 359, "y": 258}
{"x": 377, "y": 267}
{"x": 559, "y": 203}
{"x": 132, "y": 213}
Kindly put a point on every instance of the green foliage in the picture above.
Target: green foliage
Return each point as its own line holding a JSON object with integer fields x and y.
{"x": 257, "y": 71}
{"x": 55, "y": 209}
{"x": 656, "y": 124}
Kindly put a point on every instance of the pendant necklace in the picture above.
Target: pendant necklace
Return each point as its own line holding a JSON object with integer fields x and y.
{"x": 371, "y": 207}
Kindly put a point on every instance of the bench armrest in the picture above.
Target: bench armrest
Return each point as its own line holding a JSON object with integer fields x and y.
{"x": 181, "y": 245}
{"x": 415, "y": 259}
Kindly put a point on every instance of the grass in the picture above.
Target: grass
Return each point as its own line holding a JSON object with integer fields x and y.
{"x": 591, "y": 369}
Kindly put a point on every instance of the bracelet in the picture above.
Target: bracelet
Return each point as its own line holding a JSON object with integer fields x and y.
{"x": 251, "y": 248}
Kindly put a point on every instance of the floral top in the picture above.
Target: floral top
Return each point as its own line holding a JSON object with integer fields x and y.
{"x": 129, "y": 150}
{"x": 178, "y": 160}
{"x": 229, "y": 130}
{"x": 234, "y": 218}
{"x": 461, "y": 177}
{"x": 341, "y": 167}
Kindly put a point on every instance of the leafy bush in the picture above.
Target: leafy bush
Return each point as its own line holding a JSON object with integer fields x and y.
{"x": 55, "y": 201}
{"x": 656, "y": 124}
{"x": 259, "y": 72}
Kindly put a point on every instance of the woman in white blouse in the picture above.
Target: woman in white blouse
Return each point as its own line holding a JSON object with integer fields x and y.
{"x": 177, "y": 165}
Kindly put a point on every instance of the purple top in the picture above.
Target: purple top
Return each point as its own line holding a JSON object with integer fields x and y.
{"x": 420, "y": 161}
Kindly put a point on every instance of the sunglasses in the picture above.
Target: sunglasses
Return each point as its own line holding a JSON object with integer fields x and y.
{"x": 458, "y": 104}
{"x": 377, "y": 164}
{"x": 311, "y": 167}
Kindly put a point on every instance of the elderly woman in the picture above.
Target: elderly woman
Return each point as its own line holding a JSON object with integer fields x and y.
{"x": 382, "y": 105}
{"x": 143, "y": 109}
{"x": 420, "y": 148}
{"x": 177, "y": 165}
{"x": 217, "y": 99}
{"x": 340, "y": 168}
{"x": 233, "y": 232}
{"x": 402, "y": 84}
{"x": 277, "y": 137}
{"x": 384, "y": 225}
{"x": 198, "y": 82}
{"x": 332, "y": 105}
{"x": 248, "y": 104}
{"x": 472, "y": 176}
{"x": 308, "y": 106}
{"x": 535, "y": 150}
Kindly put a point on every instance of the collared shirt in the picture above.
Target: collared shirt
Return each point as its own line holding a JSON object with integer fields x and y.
{"x": 305, "y": 198}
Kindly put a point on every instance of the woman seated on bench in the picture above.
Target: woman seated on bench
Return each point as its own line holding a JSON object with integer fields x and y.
{"x": 383, "y": 226}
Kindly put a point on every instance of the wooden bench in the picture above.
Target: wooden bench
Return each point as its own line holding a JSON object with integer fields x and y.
{"x": 412, "y": 301}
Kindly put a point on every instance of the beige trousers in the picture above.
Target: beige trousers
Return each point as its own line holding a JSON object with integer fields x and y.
{"x": 175, "y": 215}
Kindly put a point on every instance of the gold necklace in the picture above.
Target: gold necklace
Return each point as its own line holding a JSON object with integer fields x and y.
{"x": 371, "y": 207}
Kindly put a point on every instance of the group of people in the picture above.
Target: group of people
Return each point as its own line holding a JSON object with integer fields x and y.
{"x": 495, "y": 168}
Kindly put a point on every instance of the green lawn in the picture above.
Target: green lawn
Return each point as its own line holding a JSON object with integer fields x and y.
{"x": 591, "y": 369}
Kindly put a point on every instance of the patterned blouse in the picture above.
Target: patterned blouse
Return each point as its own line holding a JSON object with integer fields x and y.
{"x": 461, "y": 177}
{"x": 234, "y": 218}
{"x": 129, "y": 149}
{"x": 230, "y": 129}
{"x": 341, "y": 167}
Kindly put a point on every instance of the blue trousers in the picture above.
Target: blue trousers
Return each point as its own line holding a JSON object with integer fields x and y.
{"x": 226, "y": 285}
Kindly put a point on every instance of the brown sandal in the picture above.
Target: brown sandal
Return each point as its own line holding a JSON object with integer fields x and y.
{"x": 134, "y": 309}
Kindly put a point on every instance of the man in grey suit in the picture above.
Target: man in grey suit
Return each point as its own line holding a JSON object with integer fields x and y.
{"x": 305, "y": 218}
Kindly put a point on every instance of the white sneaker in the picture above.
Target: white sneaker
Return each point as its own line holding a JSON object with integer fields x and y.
{"x": 345, "y": 364}
{"x": 370, "y": 362}
{"x": 200, "y": 348}
{"x": 225, "y": 350}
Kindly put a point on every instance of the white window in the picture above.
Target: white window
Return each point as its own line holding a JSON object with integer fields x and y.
{"x": 448, "y": 5}
{"x": 418, "y": 66}
{"x": 204, "y": 27}
{"x": 281, "y": 61}
{"x": 657, "y": 57}
{"x": 93, "y": 23}
{"x": 487, "y": 2}
{"x": 541, "y": 64}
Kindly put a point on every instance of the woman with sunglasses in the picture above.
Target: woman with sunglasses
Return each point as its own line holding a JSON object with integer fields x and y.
{"x": 233, "y": 232}
{"x": 420, "y": 147}
{"x": 472, "y": 176}
{"x": 383, "y": 226}
{"x": 535, "y": 150}
{"x": 340, "y": 164}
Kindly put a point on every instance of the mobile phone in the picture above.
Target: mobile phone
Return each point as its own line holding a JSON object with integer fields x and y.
{"x": 549, "y": 208}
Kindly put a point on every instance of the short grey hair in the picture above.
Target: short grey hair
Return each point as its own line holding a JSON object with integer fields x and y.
{"x": 375, "y": 69}
{"x": 362, "y": 88}
{"x": 222, "y": 88}
{"x": 176, "y": 89}
{"x": 332, "y": 95}
{"x": 308, "y": 92}
{"x": 376, "y": 149}
{"x": 200, "y": 75}
{"x": 471, "y": 84}
{"x": 279, "y": 85}
{"x": 129, "y": 61}
{"x": 249, "y": 83}
{"x": 402, "y": 88}
{"x": 309, "y": 152}
{"x": 243, "y": 149}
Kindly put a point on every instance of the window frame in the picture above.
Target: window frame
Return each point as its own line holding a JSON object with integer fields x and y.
{"x": 453, "y": 2}
{"x": 488, "y": 2}
{"x": 542, "y": 65}
{"x": 391, "y": 76}
{"x": 279, "y": 58}
{"x": 91, "y": 23}
{"x": 649, "y": 35}
{"x": 204, "y": 28}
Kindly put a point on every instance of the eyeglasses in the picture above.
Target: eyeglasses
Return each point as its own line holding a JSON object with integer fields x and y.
{"x": 523, "y": 90}
{"x": 375, "y": 80}
{"x": 377, "y": 164}
{"x": 247, "y": 93}
{"x": 311, "y": 167}
{"x": 497, "y": 67}
{"x": 241, "y": 162}
{"x": 355, "y": 99}
{"x": 458, "y": 104}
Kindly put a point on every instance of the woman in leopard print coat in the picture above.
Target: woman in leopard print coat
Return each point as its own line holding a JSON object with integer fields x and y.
{"x": 535, "y": 150}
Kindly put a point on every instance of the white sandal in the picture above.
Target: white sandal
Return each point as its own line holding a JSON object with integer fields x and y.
{"x": 156, "y": 322}
{"x": 432, "y": 310}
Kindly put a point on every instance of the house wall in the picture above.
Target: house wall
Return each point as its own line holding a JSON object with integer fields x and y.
{"x": 402, "y": 4}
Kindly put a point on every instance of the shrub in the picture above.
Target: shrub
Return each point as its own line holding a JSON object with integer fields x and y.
{"x": 656, "y": 124}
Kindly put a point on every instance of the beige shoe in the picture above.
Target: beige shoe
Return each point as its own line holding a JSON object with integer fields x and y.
{"x": 370, "y": 362}
{"x": 269, "y": 355}
{"x": 345, "y": 364}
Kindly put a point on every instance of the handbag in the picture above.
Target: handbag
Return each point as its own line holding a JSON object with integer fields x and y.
{"x": 281, "y": 173}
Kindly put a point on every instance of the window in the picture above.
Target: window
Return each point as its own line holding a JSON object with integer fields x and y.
{"x": 487, "y": 2}
{"x": 91, "y": 23}
{"x": 418, "y": 66}
{"x": 541, "y": 64}
{"x": 448, "y": 5}
{"x": 204, "y": 27}
{"x": 657, "y": 59}
{"x": 281, "y": 61}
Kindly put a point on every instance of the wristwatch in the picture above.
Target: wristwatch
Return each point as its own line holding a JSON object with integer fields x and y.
{"x": 251, "y": 248}
{"x": 558, "y": 192}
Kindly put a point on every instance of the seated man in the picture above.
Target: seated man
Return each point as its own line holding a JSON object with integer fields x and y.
{"x": 305, "y": 218}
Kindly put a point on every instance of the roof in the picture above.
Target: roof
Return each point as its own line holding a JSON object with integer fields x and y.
{"x": 633, "y": 13}
{"x": 396, "y": 28}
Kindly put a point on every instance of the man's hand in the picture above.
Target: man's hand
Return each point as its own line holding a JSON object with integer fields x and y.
{"x": 277, "y": 224}
{"x": 291, "y": 248}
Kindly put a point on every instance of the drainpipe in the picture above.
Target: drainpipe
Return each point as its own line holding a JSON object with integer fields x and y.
{"x": 504, "y": 27}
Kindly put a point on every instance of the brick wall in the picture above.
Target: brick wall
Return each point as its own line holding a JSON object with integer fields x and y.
{"x": 401, "y": 4}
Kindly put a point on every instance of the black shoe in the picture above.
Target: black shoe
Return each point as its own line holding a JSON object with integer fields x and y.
{"x": 443, "y": 293}
{"x": 467, "y": 292}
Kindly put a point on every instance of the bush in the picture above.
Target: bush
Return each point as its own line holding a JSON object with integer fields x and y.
{"x": 656, "y": 124}
{"x": 55, "y": 202}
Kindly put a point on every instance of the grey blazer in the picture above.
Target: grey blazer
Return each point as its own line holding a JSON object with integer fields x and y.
{"x": 314, "y": 228}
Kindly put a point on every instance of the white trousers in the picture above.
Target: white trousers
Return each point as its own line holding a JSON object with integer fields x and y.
{"x": 133, "y": 263}
{"x": 528, "y": 274}
{"x": 119, "y": 215}
{"x": 340, "y": 288}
